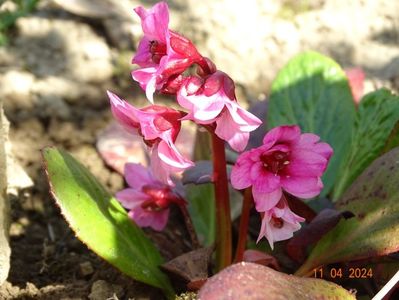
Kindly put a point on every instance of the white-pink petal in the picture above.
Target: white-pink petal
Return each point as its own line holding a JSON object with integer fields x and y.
{"x": 246, "y": 121}
{"x": 160, "y": 170}
{"x": 169, "y": 154}
{"x": 230, "y": 132}
{"x": 124, "y": 113}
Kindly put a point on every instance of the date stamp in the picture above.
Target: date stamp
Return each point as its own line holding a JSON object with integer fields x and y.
{"x": 343, "y": 273}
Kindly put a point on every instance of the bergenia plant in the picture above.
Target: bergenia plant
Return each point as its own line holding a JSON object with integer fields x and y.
{"x": 315, "y": 189}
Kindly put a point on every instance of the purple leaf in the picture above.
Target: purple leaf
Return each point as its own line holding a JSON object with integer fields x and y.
{"x": 320, "y": 225}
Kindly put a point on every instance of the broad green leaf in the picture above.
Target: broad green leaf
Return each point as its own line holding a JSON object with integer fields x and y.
{"x": 201, "y": 200}
{"x": 377, "y": 115}
{"x": 251, "y": 281}
{"x": 312, "y": 91}
{"x": 100, "y": 221}
{"x": 202, "y": 210}
{"x": 374, "y": 230}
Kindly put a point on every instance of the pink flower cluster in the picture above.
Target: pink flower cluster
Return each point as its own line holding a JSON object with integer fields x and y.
{"x": 164, "y": 57}
{"x": 289, "y": 161}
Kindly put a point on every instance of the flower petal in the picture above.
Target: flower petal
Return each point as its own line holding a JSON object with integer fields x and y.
{"x": 209, "y": 112}
{"x": 239, "y": 173}
{"x": 137, "y": 176}
{"x": 263, "y": 181}
{"x": 247, "y": 121}
{"x": 266, "y": 201}
{"x": 282, "y": 134}
{"x": 131, "y": 198}
{"x": 265, "y": 230}
{"x": 155, "y": 220}
{"x": 124, "y": 113}
{"x": 323, "y": 149}
{"x": 143, "y": 55}
{"x": 155, "y": 21}
{"x": 309, "y": 141}
{"x": 160, "y": 170}
{"x": 229, "y": 131}
{"x": 302, "y": 187}
{"x": 169, "y": 154}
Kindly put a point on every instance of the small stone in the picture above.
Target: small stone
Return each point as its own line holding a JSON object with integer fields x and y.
{"x": 101, "y": 290}
{"x": 16, "y": 229}
{"x": 86, "y": 268}
{"x": 15, "y": 90}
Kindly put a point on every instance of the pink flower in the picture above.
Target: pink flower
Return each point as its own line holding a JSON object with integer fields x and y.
{"x": 213, "y": 100}
{"x": 279, "y": 223}
{"x": 159, "y": 127}
{"x": 161, "y": 53}
{"x": 287, "y": 160}
{"x": 147, "y": 199}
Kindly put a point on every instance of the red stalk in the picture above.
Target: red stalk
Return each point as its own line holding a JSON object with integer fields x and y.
{"x": 223, "y": 218}
{"x": 244, "y": 223}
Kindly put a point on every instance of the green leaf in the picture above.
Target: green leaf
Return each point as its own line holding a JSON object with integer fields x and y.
{"x": 374, "y": 230}
{"x": 202, "y": 210}
{"x": 377, "y": 115}
{"x": 393, "y": 139}
{"x": 312, "y": 91}
{"x": 100, "y": 221}
{"x": 251, "y": 281}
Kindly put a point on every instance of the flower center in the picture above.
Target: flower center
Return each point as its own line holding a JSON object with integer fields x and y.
{"x": 277, "y": 222}
{"x": 275, "y": 162}
{"x": 157, "y": 50}
{"x": 159, "y": 198}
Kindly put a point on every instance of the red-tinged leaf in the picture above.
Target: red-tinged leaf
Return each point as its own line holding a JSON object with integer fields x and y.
{"x": 356, "y": 78}
{"x": 310, "y": 234}
{"x": 374, "y": 229}
{"x": 261, "y": 258}
{"x": 252, "y": 281}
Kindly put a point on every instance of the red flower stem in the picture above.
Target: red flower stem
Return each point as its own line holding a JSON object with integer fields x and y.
{"x": 189, "y": 225}
{"x": 223, "y": 218}
{"x": 244, "y": 222}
